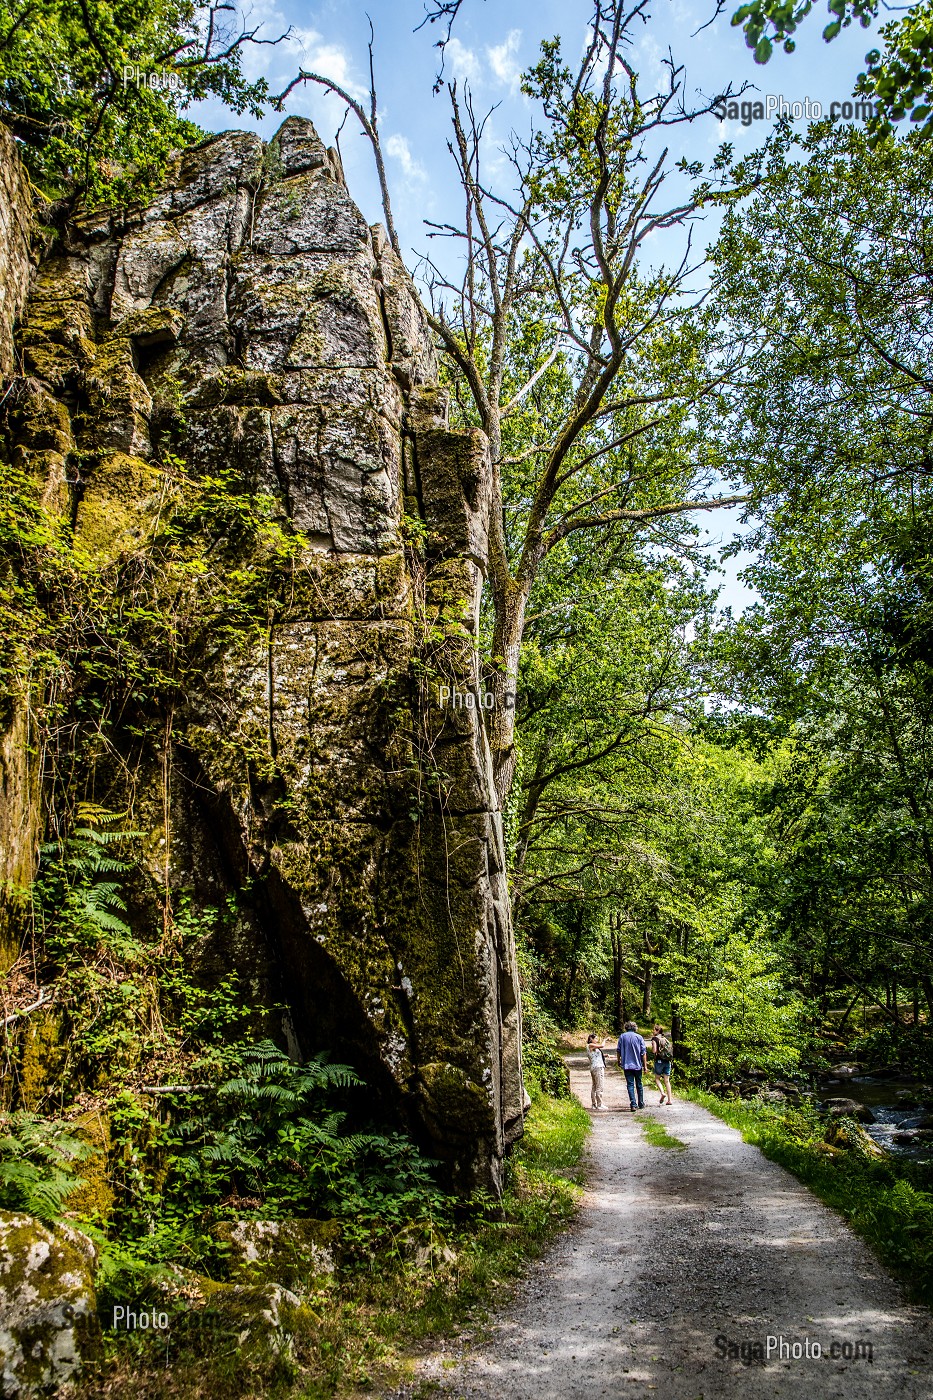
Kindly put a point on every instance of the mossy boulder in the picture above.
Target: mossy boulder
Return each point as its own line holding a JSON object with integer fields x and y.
{"x": 846, "y": 1134}
{"x": 298, "y": 1254}
{"x": 259, "y": 1320}
{"x": 48, "y": 1307}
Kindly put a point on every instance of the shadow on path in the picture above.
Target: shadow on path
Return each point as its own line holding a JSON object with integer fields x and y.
{"x": 674, "y": 1250}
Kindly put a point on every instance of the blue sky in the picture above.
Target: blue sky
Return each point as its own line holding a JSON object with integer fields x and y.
{"x": 493, "y": 41}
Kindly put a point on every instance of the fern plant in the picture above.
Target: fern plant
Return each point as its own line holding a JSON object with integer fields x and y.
{"x": 80, "y": 904}
{"x": 273, "y": 1131}
{"x": 38, "y": 1157}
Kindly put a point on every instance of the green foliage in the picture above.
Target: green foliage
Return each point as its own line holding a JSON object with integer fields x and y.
{"x": 83, "y": 908}
{"x": 909, "y": 1047}
{"x": 38, "y": 1161}
{"x": 736, "y": 1007}
{"x": 262, "y": 1126}
{"x": 542, "y": 1066}
{"x": 825, "y": 272}
{"x": 434, "y": 1275}
{"x": 87, "y": 128}
{"x": 769, "y": 22}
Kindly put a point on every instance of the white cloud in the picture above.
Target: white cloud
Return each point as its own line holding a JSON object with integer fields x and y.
{"x": 461, "y": 61}
{"x": 303, "y": 48}
{"x": 502, "y": 59}
{"x": 329, "y": 60}
{"x": 398, "y": 147}
{"x": 649, "y": 63}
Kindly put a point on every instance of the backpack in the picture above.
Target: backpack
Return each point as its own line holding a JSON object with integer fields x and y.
{"x": 664, "y": 1050}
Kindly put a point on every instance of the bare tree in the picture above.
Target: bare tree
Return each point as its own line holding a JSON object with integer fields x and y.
{"x": 580, "y": 366}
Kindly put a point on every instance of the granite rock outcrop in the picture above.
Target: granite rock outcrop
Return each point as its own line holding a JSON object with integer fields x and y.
{"x": 249, "y": 326}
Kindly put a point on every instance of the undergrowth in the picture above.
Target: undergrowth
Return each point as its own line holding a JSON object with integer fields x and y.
{"x": 392, "y": 1297}
{"x": 889, "y": 1202}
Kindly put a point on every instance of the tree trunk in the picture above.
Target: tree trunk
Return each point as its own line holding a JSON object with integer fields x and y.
{"x": 848, "y": 1011}
{"x": 502, "y": 683}
{"x": 681, "y": 1052}
{"x": 916, "y": 998}
{"x": 533, "y": 793}
{"x": 927, "y": 986}
{"x": 646, "y": 990}
{"x": 618, "y": 1000}
{"x": 574, "y": 964}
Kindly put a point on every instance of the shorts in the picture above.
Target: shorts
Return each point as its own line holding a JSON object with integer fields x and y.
{"x": 662, "y": 1067}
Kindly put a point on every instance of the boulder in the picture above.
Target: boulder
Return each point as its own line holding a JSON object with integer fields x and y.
{"x": 297, "y": 1254}
{"x": 851, "y": 1137}
{"x": 255, "y": 1321}
{"x": 848, "y": 1108}
{"x": 258, "y": 1321}
{"x": 48, "y": 1307}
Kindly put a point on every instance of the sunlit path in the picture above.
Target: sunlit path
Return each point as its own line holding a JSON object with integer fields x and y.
{"x": 678, "y": 1254}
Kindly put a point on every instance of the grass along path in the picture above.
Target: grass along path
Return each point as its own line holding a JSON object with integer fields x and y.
{"x": 678, "y": 1256}
{"x": 888, "y": 1201}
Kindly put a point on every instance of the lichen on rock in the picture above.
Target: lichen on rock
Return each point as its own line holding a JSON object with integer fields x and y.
{"x": 48, "y": 1310}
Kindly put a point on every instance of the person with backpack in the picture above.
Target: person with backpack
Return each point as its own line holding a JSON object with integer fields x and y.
{"x": 633, "y": 1060}
{"x": 663, "y": 1052}
{"x": 594, "y": 1049}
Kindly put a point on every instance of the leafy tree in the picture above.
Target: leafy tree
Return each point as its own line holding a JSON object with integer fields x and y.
{"x": 827, "y": 272}
{"x": 95, "y": 91}
{"x": 581, "y": 365}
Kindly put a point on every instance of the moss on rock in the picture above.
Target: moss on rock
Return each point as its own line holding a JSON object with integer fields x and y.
{"x": 298, "y": 1254}
{"x": 48, "y": 1310}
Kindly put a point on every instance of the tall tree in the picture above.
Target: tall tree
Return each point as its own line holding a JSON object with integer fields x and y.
{"x": 828, "y": 274}
{"x": 582, "y": 364}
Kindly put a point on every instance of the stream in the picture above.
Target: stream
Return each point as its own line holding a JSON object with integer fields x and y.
{"x": 902, "y": 1108}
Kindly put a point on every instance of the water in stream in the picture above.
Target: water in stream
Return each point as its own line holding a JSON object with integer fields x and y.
{"x": 902, "y": 1108}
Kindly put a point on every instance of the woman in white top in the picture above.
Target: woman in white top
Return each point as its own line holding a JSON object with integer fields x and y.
{"x": 597, "y": 1069}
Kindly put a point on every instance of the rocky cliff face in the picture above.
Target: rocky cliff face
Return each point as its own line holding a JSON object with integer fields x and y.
{"x": 19, "y": 797}
{"x": 250, "y": 326}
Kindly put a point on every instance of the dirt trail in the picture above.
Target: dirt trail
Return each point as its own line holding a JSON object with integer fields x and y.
{"x": 674, "y": 1249}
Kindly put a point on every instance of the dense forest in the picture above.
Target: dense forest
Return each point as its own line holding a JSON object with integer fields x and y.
{"x": 719, "y": 823}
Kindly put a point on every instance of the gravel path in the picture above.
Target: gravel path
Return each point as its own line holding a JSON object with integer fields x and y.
{"x": 674, "y": 1249}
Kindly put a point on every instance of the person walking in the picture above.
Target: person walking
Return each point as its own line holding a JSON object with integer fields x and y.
{"x": 663, "y": 1052}
{"x": 633, "y": 1061}
{"x": 594, "y": 1049}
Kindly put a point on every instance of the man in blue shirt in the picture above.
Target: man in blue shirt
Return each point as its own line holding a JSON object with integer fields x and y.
{"x": 633, "y": 1059}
